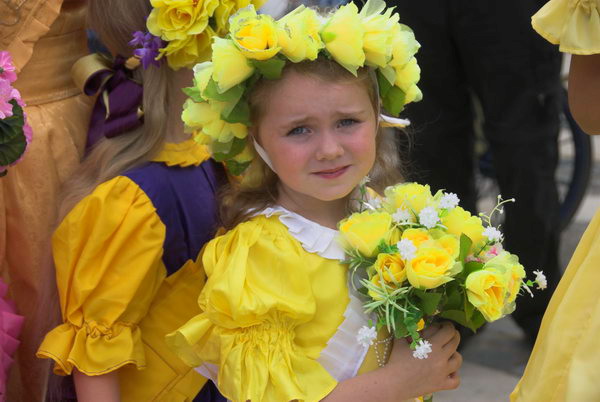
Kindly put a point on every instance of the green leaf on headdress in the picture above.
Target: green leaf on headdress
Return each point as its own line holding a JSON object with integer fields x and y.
{"x": 271, "y": 68}
{"x": 12, "y": 136}
{"x": 384, "y": 84}
{"x": 193, "y": 93}
{"x": 236, "y": 168}
{"x": 222, "y": 151}
{"x": 393, "y": 101}
{"x": 240, "y": 113}
{"x": 231, "y": 95}
{"x": 328, "y": 36}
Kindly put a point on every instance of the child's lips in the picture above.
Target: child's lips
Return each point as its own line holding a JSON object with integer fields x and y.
{"x": 332, "y": 173}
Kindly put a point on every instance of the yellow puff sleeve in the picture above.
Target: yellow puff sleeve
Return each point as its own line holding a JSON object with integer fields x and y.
{"x": 107, "y": 254}
{"x": 572, "y": 24}
{"x": 257, "y": 294}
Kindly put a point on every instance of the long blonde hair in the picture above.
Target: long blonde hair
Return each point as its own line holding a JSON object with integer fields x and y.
{"x": 115, "y": 21}
{"x": 259, "y": 189}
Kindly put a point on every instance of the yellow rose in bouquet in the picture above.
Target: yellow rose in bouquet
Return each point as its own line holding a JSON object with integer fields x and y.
{"x": 487, "y": 290}
{"x": 458, "y": 221}
{"x": 431, "y": 267}
{"x": 365, "y": 231}
{"x": 390, "y": 267}
{"x": 412, "y": 196}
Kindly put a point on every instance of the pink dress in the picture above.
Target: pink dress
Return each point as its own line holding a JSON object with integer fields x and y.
{"x": 10, "y": 326}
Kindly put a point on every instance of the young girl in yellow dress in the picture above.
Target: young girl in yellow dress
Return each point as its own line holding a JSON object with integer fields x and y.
{"x": 139, "y": 209}
{"x": 564, "y": 363}
{"x": 279, "y": 320}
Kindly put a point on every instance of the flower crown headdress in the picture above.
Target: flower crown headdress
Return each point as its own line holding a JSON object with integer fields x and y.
{"x": 217, "y": 111}
{"x": 179, "y": 31}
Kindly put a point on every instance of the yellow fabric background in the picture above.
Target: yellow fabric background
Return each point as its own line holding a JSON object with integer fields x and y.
{"x": 44, "y": 45}
{"x": 564, "y": 362}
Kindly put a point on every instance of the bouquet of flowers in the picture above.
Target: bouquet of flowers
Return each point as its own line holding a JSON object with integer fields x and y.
{"x": 15, "y": 133}
{"x": 416, "y": 256}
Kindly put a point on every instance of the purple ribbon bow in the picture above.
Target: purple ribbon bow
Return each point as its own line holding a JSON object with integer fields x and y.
{"x": 117, "y": 108}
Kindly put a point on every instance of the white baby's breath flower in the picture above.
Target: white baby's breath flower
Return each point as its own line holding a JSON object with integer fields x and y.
{"x": 428, "y": 217}
{"x": 375, "y": 203}
{"x": 402, "y": 216}
{"x": 493, "y": 234}
{"x": 366, "y": 336}
{"x": 528, "y": 290}
{"x": 407, "y": 249}
{"x": 423, "y": 350}
{"x": 449, "y": 201}
{"x": 540, "y": 279}
{"x": 365, "y": 180}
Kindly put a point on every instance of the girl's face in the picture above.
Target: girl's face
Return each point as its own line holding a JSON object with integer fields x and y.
{"x": 320, "y": 136}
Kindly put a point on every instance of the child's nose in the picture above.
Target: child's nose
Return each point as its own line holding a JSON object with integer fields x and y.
{"x": 329, "y": 147}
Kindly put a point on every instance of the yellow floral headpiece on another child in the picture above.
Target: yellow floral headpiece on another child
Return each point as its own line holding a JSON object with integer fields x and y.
{"x": 258, "y": 46}
{"x": 187, "y": 27}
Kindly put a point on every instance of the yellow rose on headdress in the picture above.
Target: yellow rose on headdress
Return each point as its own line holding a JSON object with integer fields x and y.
{"x": 404, "y": 45}
{"x": 202, "y": 74}
{"x": 366, "y": 230}
{"x": 390, "y": 267}
{"x": 410, "y": 195}
{"x": 230, "y": 66}
{"x": 207, "y": 117}
{"x": 487, "y": 290}
{"x": 255, "y": 35}
{"x": 431, "y": 267}
{"x": 178, "y": 19}
{"x": 343, "y": 36}
{"x": 299, "y": 34}
{"x": 228, "y": 7}
{"x": 188, "y": 51}
{"x": 459, "y": 221}
{"x": 408, "y": 75}
{"x": 379, "y": 32}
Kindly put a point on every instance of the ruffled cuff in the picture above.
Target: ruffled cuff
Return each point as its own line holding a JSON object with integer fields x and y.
{"x": 574, "y": 25}
{"x": 258, "y": 363}
{"x": 93, "y": 349}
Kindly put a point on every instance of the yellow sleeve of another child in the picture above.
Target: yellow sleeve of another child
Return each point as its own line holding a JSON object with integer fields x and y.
{"x": 108, "y": 259}
{"x": 572, "y": 24}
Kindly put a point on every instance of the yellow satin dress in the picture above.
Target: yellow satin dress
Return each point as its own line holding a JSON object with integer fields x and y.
{"x": 565, "y": 361}
{"x": 269, "y": 308}
{"x": 44, "y": 37}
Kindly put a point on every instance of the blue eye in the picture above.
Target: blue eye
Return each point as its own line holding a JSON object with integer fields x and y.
{"x": 347, "y": 122}
{"x": 298, "y": 131}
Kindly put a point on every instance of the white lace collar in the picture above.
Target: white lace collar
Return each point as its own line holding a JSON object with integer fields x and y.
{"x": 314, "y": 238}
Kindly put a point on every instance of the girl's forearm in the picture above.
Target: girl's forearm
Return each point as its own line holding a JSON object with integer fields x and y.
{"x": 584, "y": 91}
{"x": 103, "y": 388}
{"x": 372, "y": 386}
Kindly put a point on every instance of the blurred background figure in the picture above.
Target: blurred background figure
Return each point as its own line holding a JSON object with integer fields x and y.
{"x": 486, "y": 50}
{"x": 45, "y": 38}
